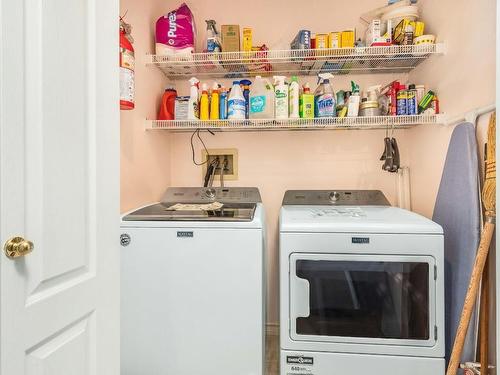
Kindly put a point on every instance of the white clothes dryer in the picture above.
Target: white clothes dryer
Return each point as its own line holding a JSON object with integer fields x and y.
{"x": 192, "y": 284}
{"x": 361, "y": 286}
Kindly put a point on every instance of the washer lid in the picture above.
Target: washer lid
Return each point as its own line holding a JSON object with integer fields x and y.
{"x": 354, "y": 219}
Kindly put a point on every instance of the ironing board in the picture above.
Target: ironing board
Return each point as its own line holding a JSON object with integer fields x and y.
{"x": 458, "y": 211}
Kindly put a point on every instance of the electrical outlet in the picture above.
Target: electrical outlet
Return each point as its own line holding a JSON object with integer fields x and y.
{"x": 229, "y": 154}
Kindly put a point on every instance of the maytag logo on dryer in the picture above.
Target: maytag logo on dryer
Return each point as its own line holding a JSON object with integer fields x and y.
{"x": 185, "y": 234}
{"x": 360, "y": 240}
{"x": 299, "y": 360}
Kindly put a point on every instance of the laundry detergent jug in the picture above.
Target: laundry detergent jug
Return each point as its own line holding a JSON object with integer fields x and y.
{"x": 261, "y": 99}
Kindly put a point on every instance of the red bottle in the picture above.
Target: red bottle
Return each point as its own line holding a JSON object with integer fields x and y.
{"x": 393, "y": 100}
{"x": 167, "y": 105}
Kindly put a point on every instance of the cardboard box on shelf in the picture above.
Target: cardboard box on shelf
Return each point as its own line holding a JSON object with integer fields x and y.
{"x": 348, "y": 37}
{"x": 247, "y": 39}
{"x": 230, "y": 38}
{"x": 334, "y": 40}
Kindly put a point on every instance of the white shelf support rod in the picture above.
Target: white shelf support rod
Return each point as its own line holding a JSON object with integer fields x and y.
{"x": 472, "y": 115}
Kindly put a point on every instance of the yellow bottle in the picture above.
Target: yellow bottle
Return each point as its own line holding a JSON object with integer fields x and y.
{"x": 204, "y": 110}
{"x": 214, "y": 103}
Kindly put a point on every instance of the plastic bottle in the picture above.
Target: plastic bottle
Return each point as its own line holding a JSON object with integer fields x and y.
{"x": 245, "y": 83}
{"x": 213, "y": 41}
{"x": 261, "y": 99}
{"x": 324, "y": 97}
{"x": 214, "y": 102}
{"x": 401, "y": 99}
{"x": 354, "y": 99}
{"x": 236, "y": 103}
{"x": 167, "y": 104}
{"x": 306, "y": 102}
{"x": 193, "y": 108}
{"x": 204, "y": 103}
{"x": 281, "y": 98}
{"x": 293, "y": 100}
{"x": 223, "y": 104}
{"x": 411, "y": 101}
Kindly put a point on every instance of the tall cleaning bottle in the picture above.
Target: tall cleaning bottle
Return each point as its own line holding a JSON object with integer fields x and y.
{"x": 214, "y": 102}
{"x": 213, "y": 40}
{"x": 354, "y": 99}
{"x": 236, "y": 103}
{"x": 193, "y": 107}
{"x": 281, "y": 98}
{"x": 204, "y": 103}
{"x": 324, "y": 97}
{"x": 293, "y": 99}
{"x": 261, "y": 99}
{"x": 223, "y": 103}
{"x": 245, "y": 84}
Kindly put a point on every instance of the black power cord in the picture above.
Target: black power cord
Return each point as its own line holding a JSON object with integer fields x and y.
{"x": 197, "y": 133}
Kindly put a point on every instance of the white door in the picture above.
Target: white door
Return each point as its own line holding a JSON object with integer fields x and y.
{"x": 59, "y": 147}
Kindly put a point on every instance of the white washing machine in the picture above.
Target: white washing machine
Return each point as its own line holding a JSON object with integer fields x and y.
{"x": 192, "y": 281}
{"x": 361, "y": 286}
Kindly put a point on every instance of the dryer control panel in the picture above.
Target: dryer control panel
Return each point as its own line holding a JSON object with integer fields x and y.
{"x": 335, "y": 197}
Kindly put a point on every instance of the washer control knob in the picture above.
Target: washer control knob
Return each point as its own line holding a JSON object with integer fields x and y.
{"x": 334, "y": 196}
{"x": 210, "y": 193}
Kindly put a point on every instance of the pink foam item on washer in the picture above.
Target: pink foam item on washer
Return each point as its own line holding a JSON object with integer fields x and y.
{"x": 175, "y": 32}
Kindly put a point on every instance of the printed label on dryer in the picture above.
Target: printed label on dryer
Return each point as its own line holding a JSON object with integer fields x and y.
{"x": 185, "y": 234}
{"x": 300, "y": 360}
{"x": 360, "y": 240}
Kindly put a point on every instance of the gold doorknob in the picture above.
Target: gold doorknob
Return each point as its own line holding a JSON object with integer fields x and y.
{"x": 17, "y": 247}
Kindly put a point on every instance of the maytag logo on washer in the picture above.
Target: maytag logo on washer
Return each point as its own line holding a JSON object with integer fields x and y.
{"x": 360, "y": 240}
{"x": 299, "y": 360}
{"x": 185, "y": 234}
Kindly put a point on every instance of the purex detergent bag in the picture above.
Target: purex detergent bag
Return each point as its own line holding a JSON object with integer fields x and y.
{"x": 175, "y": 32}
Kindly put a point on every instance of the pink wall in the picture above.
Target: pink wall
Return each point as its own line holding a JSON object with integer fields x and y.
{"x": 145, "y": 156}
{"x": 276, "y": 161}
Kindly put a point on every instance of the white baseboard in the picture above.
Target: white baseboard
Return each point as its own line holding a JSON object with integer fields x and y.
{"x": 272, "y": 329}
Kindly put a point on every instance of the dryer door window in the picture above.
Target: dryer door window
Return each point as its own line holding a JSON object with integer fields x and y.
{"x": 359, "y": 298}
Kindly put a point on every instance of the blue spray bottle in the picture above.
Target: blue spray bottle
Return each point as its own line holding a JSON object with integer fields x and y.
{"x": 324, "y": 97}
{"x": 223, "y": 104}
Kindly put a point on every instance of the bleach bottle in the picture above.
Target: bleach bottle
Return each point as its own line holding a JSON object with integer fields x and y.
{"x": 324, "y": 97}
{"x": 236, "y": 103}
{"x": 262, "y": 99}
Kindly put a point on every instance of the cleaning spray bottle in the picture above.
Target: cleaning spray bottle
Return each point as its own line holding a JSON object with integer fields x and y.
{"x": 193, "y": 108}
{"x": 236, "y": 103}
{"x": 204, "y": 103}
{"x": 293, "y": 102}
{"x": 281, "y": 98}
{"x": 354, "y": 99}
{"x": 324, "y": 97}
{"x": 245, "y": 83}
{"x": 213, "y": 40}
{"x": 214, "y": 102}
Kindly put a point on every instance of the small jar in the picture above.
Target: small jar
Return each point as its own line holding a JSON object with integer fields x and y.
{"x": 369, "y": 108}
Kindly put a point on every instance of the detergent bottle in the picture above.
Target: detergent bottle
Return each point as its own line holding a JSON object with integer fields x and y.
{"x": 281, "y": 98}
{"x": 193, "y": 108}
{"x": 204, "y": 103}
{"x": 306, "y": 103}
{"x": 261, "y": 99}
{"x": 214, "y": 102}
{"x": 324, "y": 97}
{"x": 223, "y": 103}
{"x": 236, "y": 103}
{"x": 294, "y": 93}
{"x": 167, "y": 104}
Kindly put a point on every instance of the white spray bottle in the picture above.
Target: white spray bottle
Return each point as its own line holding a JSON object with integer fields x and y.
{"x": 294, "y": 94}
{"x": 193, "y": 104}
{"x": 281, "y": 98}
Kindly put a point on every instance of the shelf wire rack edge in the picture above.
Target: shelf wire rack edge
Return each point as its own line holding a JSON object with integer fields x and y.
{"x": 346, "y": 123}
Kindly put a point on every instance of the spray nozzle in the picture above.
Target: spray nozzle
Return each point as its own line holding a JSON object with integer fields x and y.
{"x": 204, "y": 87}
{"x": 324, "y": 77}
{"x": 245, "y": 82}
{"x": 354, "y": 87}
{"x": 215, "y": 86}
{"x": 280, "y": 79}
{"x": 194, "y": 81}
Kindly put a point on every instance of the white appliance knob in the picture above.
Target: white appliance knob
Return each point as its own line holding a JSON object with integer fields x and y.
{"x": 334, "y": 196}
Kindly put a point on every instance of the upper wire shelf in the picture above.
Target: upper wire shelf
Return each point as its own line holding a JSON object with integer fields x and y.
{"x": 358, "y": 60}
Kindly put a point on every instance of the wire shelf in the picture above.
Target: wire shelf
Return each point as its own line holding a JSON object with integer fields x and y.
{"x": 345, "y": 123}
{"x": 358, "y": 60}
